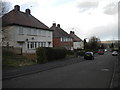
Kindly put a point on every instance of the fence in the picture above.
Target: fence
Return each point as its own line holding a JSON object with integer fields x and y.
{"x": 15, "y": 50}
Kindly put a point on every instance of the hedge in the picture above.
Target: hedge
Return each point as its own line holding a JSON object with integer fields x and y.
{"x": 45, "y": 54}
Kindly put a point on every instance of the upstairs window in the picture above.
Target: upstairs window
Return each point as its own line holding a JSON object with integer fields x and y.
{"x": 34, "y": 31}
{"x": 39, "y": 32}
{"x": 20, "y": 31}
{"x": 49, "y": 33}
{"x": 29, "y": 31}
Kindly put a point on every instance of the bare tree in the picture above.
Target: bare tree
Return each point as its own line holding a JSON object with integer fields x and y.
{"x": 4, "y": 8}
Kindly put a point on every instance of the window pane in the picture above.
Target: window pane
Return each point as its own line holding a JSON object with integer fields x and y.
{"x": 29, "y": 31}
{"x": 20, "y": 30}
{"x": 28, "y": 45}
{"x": 32, "y": 44}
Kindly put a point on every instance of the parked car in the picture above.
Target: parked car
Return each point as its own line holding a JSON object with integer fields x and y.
{"x": 101, "y": 51}
{"x": 114, "y": 53}
{"x": 89, "y": 55}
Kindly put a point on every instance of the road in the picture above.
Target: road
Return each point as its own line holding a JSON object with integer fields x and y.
{"x": 95, "y": 73}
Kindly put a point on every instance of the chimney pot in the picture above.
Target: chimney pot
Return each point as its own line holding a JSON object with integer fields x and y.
{"x": 58, "y": 25}
{"x": 27, "y": 11}
{"x": 54, "y": 24}
{"x": 73, "y": 32}
{"x": 17, "y": 7}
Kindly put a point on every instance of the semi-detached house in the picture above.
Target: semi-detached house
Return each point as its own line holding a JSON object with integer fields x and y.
{"x": 61, "y": 38}
{"x": 23, "y": 30}
{"x": 77, "y": 42}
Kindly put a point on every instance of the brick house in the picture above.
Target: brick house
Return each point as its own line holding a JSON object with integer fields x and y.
{"x": 77, "y": 42}
{"x": 21, "y": 29}
{"x": 61, "y": 38}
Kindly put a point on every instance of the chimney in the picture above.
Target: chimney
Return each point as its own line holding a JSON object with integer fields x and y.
{"x": 27, "y": 11}
{"x": 58, "y": 25}
{"x": 72, "y": 32}
{"x": 54, "y": 24}
{"x": 17, "y": 8}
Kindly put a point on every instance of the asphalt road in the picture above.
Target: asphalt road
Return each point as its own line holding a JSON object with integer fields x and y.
{"x": 95, "y": 73}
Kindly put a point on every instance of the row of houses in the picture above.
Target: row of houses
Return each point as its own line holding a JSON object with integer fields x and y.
{"x": 21, "y": 29}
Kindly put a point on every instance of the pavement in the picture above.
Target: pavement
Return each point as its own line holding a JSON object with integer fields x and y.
{"x": 115, "y": 80}
{"x": 8, "y": 73}
{"x": 21, "y": 71}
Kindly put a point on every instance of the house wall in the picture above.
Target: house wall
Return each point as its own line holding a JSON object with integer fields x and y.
{"x": 78, "y": 45}
{"x": 58, "y": 43}
{"x": 19, "y": 36}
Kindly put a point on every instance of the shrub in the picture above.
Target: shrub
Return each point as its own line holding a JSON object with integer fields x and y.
{"x": 69, "y": 52}
{"x": 59, "y": 53}
{"x": 81, "y": 53}
{"x": 49, "y": 54}
{"x": 41, "y": 56}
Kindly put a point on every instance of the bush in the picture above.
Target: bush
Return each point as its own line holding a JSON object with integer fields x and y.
{"x": 59, "y": 53}
{"x": 81, "y": 53}
{"x": 69, "y": 52}
{"x": 48, "y": 54}
{"x": 41, "y": 55}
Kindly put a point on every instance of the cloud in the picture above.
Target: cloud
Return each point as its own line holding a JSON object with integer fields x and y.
{"x": 111, "y": 9}
{"x": 87, "y": 4}
{"x": 106, "y": 32}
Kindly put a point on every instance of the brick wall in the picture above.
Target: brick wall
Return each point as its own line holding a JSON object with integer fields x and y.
{"x": 57, "y": 43}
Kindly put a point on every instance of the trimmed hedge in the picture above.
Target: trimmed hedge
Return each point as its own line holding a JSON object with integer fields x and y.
{"x": 45, "y": 54}
{"x": 69, "y": 52}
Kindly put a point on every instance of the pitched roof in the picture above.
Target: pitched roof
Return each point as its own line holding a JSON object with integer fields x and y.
{"x": 16, "y": 17}
{"x": 59, "y": 32}
{"x": 75, "y": 37}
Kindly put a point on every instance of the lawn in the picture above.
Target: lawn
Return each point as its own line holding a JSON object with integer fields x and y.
{"x": 14, "y": 60}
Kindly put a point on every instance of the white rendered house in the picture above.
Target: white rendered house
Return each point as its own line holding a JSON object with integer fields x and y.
{"x": 77, "y": 42}
{"x": 21, "y": 29}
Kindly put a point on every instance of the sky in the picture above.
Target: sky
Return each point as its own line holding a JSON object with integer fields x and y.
{"x": 86, "y": 18}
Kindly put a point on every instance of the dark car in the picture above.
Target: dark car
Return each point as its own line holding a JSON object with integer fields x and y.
{"x": 101, "y": 51}
{"x": 89, "y": 55}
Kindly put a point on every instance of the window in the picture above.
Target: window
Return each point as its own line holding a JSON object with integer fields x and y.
{"x": 61, "y": 39}
{"x": 35, "y": 44}
{"x": 44, "y": 44}
{"x": 43, "y": 33}
{"x": 28, "y": 45}
{"x": 29, "y": 31}
{"x": 49, "y": 43}
{"x": 39, "y": 32}
{"x": 49, "y": 33}
{"x": 34, "y": 32}
{"x": 20, "y": 30}
{"x": 32, "y": 45}
{"x": 41, "y": 44}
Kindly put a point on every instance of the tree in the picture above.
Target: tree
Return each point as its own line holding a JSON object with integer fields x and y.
{"x": 4, "y": 7}
{"x": 94, "y": 43}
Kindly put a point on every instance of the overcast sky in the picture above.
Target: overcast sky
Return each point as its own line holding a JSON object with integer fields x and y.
{"x": 86, "y": 17}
